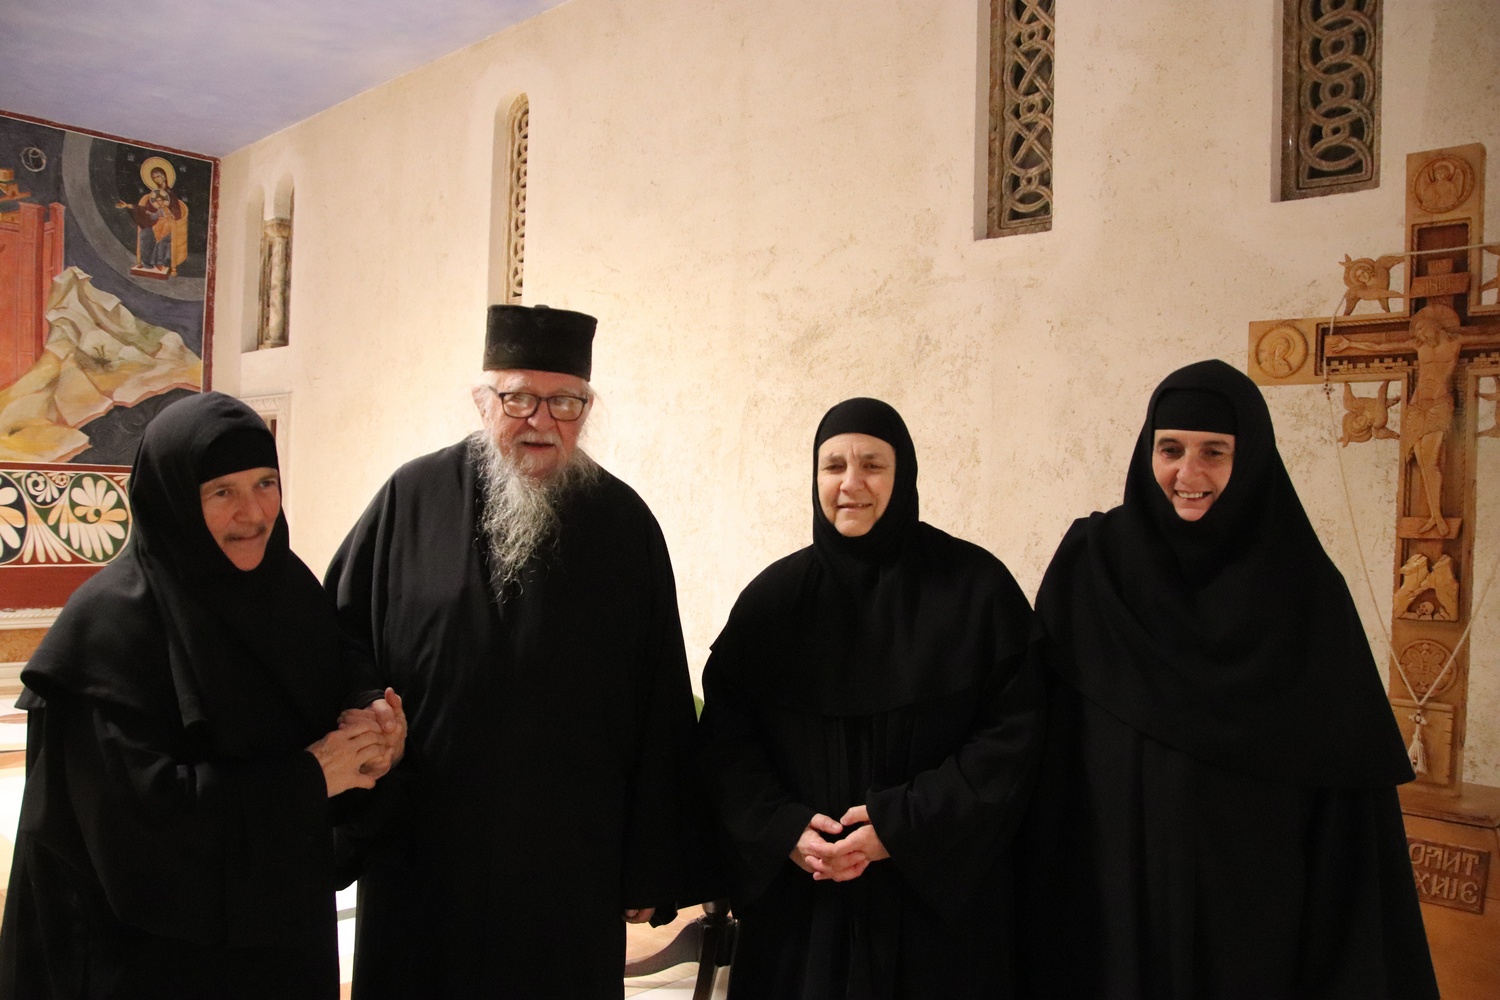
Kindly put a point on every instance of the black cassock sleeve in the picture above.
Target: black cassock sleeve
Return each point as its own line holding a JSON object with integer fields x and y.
{"x": 356, "y": 582}
{"x": 947, "y": 824}
{"x": 760, "y": 816}
{"x": 669, "y": 857}
{"x": 358, "y": 592}
{"x": 212, "y": 852}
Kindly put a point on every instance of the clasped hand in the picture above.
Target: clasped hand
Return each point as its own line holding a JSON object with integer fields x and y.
{"x": 366, "y": 745}
{"x": 839, "y": 860}
{"x": 386, "y": 715}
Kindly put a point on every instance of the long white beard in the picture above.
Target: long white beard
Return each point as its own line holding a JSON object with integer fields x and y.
{"x": 519, "y": 513}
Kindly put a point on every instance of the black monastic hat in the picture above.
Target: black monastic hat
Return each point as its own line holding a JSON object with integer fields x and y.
{"x": 541, "y": 339}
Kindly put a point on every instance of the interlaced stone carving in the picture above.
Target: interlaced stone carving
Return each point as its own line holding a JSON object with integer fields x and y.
{"x": 1022, "y": 51}
{"x": 515, "y": 242}
{"x": 1330, "y": 97}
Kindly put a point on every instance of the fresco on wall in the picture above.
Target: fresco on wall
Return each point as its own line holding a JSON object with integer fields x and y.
{"x": 105, "y": 271}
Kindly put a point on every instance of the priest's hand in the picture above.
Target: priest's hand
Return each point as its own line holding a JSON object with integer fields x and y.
{"x": 812, "y": 847}
{"x": 639, "y": 916}
{"x": 848, "y": 858}
{"x": 386, "y": 713}
{"x": 344, "y": 753}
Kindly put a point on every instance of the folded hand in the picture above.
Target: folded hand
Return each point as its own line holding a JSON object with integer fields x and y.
{"x": 386, "y": 715}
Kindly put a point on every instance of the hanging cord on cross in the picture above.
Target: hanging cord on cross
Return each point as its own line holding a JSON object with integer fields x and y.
{"x": 1417, "y": 749}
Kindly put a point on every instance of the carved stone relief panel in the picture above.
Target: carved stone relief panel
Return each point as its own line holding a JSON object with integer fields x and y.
{"x": 1022, "y": 53}
{"x": 1330, "y": 97}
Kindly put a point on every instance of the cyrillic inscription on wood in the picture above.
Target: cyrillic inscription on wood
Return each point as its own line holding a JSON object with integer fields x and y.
{"x": 1449, "y": 875}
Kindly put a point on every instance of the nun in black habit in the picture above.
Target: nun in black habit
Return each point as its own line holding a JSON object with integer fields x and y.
{"x": 1216, "y": 817}
{"x": 868, "y": 732}
{"x": 176, "y": 833}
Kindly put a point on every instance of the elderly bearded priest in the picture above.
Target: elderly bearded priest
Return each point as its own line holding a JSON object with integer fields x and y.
{"x": 522, "y": 599}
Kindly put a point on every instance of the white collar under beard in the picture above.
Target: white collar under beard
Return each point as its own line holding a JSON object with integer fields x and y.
{"x": 519, "y": 513}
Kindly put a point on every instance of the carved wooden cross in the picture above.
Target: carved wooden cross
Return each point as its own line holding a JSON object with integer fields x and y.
{"x": 1440, "y": 347}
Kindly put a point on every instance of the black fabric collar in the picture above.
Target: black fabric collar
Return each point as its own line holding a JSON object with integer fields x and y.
{"x": 855, "y": 626}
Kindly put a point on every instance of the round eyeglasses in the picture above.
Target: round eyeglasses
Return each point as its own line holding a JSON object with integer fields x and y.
{"x": 523, "y": 404}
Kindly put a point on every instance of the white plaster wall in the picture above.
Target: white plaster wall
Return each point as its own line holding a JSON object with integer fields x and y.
{"x": 770, "y": 205}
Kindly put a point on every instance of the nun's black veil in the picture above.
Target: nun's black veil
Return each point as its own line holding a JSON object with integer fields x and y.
{"x": 1232, "y": 638}
{"x": 252, "y": 655}
{"x": 858, "y": 621}
{"x": 187, "y": 690}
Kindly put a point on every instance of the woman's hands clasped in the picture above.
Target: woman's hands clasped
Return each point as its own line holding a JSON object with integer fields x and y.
{"x": 368, "y": 742}
{"x": 839, "y": 860}
{"x": 386, "y": 713}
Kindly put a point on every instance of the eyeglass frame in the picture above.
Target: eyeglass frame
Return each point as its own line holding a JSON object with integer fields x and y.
{"x": 537, "y": 404}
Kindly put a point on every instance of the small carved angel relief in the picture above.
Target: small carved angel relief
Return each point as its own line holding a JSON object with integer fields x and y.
{"x": 1366, "y": 417}
{"x": 1443, "y": 184}
{"x": 1369, "y": 279}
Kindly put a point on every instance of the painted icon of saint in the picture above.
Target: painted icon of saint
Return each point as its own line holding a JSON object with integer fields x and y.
{"x": 161, "y": 221}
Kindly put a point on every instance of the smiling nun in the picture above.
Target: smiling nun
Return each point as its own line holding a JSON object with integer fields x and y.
{"x": 868, "y": 731}
{"x": 176, "y": 834}
{"x": 1216, "y": 815}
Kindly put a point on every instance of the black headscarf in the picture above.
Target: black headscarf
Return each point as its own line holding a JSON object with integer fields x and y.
{"x": 251, "y": 655}
{"x": 860, "y": 555}
{"x": 1232, "y": 638}
{"x": 863, "y": 624}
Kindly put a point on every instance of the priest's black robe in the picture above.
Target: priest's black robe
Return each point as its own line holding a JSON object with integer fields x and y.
{"x": 889, "y": 670}
{"x": 543, "y": 787}
{"x": 176, "y": 839}
{"x": 1216, "y": 816}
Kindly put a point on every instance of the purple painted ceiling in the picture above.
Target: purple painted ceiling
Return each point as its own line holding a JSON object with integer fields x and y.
{"x": 211, "y": 76}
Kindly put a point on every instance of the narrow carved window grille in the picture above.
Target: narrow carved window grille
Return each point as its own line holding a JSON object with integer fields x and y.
{"x": 1022, "y": 51}
{"x": 1330, "y": 97}
{"x": 515, "y": 241}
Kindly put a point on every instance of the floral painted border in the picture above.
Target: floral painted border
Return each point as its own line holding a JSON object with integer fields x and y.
{"x": 51, "y": 517}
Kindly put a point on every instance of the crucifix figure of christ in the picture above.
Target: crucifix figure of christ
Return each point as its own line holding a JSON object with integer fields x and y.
{"x": 1439, "y": 346}
{"x": 1438, "y": 339}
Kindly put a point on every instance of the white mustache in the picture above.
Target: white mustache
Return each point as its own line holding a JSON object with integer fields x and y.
{"x": 539, "y": 437}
